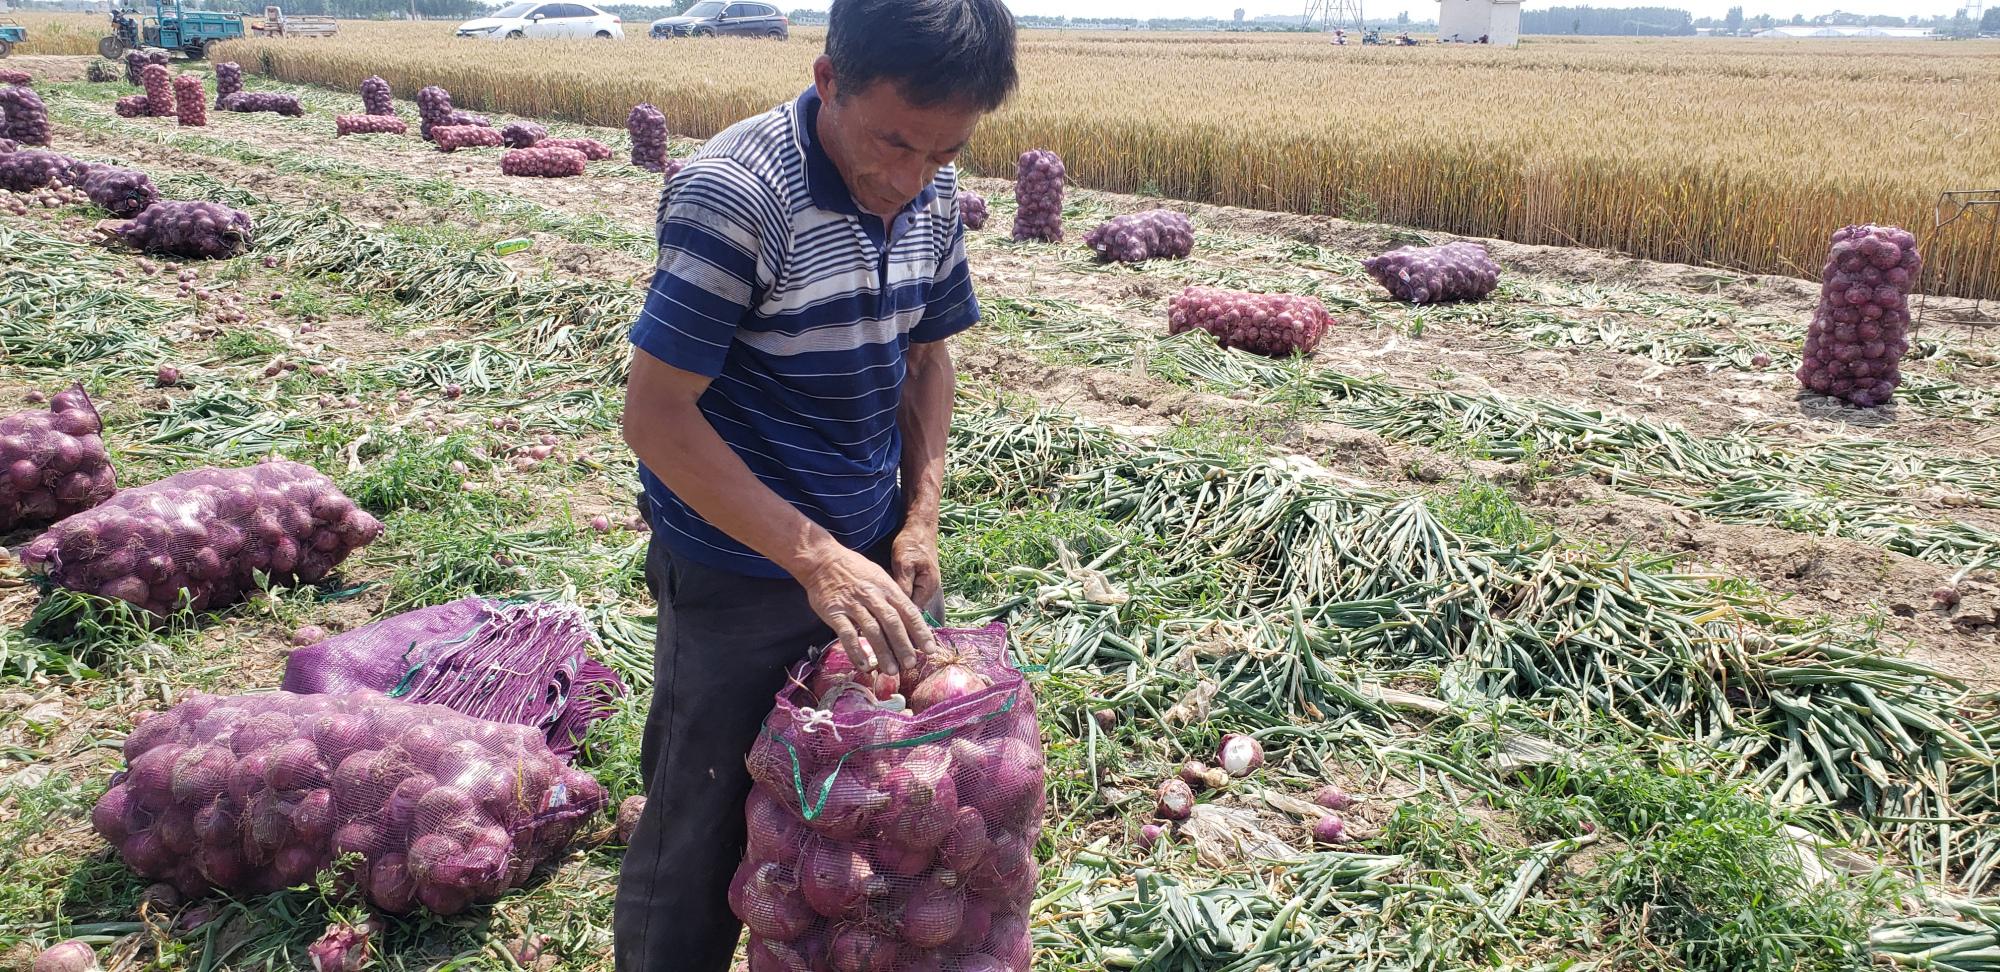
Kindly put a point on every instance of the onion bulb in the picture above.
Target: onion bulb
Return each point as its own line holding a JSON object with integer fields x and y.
{"x": 69, "y": 956}
{"x": 1333, "y": 798}
{"x": 1329, "y": 830}
{"x": 1239, "y": 755}
{"x": 1176, "y": 800}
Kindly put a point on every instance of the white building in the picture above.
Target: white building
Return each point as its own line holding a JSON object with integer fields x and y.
{"x": 1499, "y": 21}
{"x": 1906, "y": 33}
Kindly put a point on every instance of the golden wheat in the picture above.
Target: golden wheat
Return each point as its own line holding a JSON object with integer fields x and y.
{"x": 61, "y": 33}
{"x": 1736, "y": 153}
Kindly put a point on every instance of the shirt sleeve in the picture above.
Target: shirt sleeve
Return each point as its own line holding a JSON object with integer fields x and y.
{"x": 712, "y": 237}
{"x": 952, "y": 306}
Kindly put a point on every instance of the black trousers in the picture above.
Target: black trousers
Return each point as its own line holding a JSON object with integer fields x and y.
{"x": 724, "y": 643}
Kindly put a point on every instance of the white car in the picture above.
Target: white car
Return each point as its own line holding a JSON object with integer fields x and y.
{"x": 549, "y": 21}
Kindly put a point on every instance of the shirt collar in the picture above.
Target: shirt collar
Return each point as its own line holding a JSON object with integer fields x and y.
{"x": 823, "y": 181}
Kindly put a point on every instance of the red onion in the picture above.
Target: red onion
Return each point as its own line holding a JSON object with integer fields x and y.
{"x": 310, "y": 634}
{"x": 344, "y": 947}
{"x": 69, "y": 956}
{"x": 838, "y": 880}
{"x": 1329, "y": 830}
{"x": 1428, "y": 274}
{"x": 767, "y": 899}
{"x": 1945, "y": 597}
{"x": 1239, "y": 755}
{"x": 629, "y": 811}
{"x": 1143, "y": 236}
{"x": 931, "y": 913}
{"x": 1333, "y": 798}
{"x": 1176, "y": 800}
{"x": 949, "y": 682}
{"x": 1038, "y": 192}
{"x": 855, "y": 948}
{"x": 1150, "y": 834}
{"x": 1860, "y": 330}
{"x": 1200, "y": 776}
{"x": 167, "y": 376}
{"x": 1269, "y": 324}
{"x": 971, "y": 209}
{"x": 370, "y": 124}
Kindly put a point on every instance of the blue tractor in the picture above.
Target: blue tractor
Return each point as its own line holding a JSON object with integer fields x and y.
{"x": 190, "y": 33}
{"x": 11, "y": 33}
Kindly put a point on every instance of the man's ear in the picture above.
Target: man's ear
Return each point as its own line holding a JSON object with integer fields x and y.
{"x": 823, "y": 78}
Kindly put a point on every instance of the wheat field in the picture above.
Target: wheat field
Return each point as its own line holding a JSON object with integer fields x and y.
{"x": 1743, "y": 154}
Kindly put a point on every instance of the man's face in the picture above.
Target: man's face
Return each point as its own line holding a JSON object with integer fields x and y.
{"x": 887, "y": 149}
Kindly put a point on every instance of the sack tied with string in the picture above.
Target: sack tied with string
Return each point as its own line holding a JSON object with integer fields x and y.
{"x": 892, "y": 838}
{"x": 260, "y": 792}
{"x": 526, "y": 663}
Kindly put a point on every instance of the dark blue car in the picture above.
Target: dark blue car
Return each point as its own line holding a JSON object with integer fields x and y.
{"x": 718, "y": 18}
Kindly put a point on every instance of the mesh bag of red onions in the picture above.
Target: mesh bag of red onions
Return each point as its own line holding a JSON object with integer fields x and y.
{"x": 892, "y": 825}
{"x": 53, "y": 463}
{"x": 526, "y": 663}
{"x": 260, "y": 792}
{"x": 206, "y": 535}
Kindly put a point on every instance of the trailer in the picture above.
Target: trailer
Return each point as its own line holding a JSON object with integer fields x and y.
{"x": 11, "y": 33}
{"x": 188, "y": 33}
{"x": 276, "y": 24}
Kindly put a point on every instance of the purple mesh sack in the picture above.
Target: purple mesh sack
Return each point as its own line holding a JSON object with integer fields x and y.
{"x": 883, "y": 839}
{"x": 206, "y": 532}
{"x": 1861, "y": 328}
{"x": 1136, "y": 237}
{"x": 53, "y": 463}
{"x": 525, "y": 663}
{"x": 260, "y": 792}
{"x": 1429, "y": 274}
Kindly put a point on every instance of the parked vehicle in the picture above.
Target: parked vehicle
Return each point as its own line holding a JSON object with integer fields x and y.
{"x": 189, "y": 33}
{"x": 11, "y": 33}
{"x": 545, "y": 21}
{"x": 720, "y": 18}
{"x": 276, "y": 24}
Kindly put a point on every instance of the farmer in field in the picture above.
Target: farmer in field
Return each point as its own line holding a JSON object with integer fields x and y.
{"x": 789, "y": 401}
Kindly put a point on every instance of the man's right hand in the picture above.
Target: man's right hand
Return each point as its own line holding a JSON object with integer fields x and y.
{"x": 867, "y": 610}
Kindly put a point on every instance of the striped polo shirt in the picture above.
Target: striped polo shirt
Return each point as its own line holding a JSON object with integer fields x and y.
{"x": 801, "y": 307}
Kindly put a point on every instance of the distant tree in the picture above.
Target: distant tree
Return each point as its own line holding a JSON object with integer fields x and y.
{"x": 1734, "y": 19}
{"x": 1798, "y": 20}
{"x": 1990, "y": 24}
{"x": 1403, "y": 18}
{"x": 1239, "y": 15}
{"x": 1609, "y": 21}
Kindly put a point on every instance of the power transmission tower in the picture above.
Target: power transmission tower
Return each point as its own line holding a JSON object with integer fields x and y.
{"x": 1331, "y": 14}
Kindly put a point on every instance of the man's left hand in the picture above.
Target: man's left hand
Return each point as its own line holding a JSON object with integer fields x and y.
{"x": 913, "y": 562}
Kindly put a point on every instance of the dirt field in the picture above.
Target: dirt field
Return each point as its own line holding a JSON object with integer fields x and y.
{"x": 1603, "y": 410}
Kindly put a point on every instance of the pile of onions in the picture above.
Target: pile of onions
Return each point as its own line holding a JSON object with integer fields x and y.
{"x": 369, "y": 124}
{"x": 451, "y": 138}
{"x": 228, "y": 80}
{"x": 207, "y": 534}
{"x": 255, "y": 793}
{"x": 375, "y": 97}
{"x": 53, "y": 463}
{"x": 522, "y": 134}
{"x": 190, "y": 101}
{"x": 591, "y": 148}
{"x": 972, "y": 209}
{"x": 543, "y": 162}
{"x": 130, "y": 106}
{"x": 192, "y": 229}
{"x": 26, "y": 170}
{"x": 900, "y": 855}
{"x": 1136, "y": 237}
{"x": 124, "y": 193}
{"x": 1038, "y": 192}
{"x": 1861, "y": 329}
{"x": 264, "y": 101}
{"x": 23, "y": 117}
{"x": 1429, "y": 274}
{"x": 22, "y": 78}
{"x": 159, "y": 85}
{"x": 136, "y": 61}
{"x": 648, "y": 127}
{"x": 1270, "y": 324}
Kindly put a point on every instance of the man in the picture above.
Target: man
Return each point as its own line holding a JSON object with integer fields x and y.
{"x": 789, "y": 401}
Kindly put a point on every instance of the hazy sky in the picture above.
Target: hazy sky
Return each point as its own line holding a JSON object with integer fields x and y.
{"x": 1428, "y": 8}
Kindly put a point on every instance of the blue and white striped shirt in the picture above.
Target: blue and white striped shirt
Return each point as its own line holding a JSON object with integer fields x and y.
{"x": 801, "y": 308}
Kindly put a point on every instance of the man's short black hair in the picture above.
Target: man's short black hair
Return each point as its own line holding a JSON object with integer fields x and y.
{"x": 934, "y": 51}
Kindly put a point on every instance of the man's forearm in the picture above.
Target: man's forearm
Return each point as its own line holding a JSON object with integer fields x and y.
{"x": 679, "y": 445}
{"x": 925, "y": 418}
